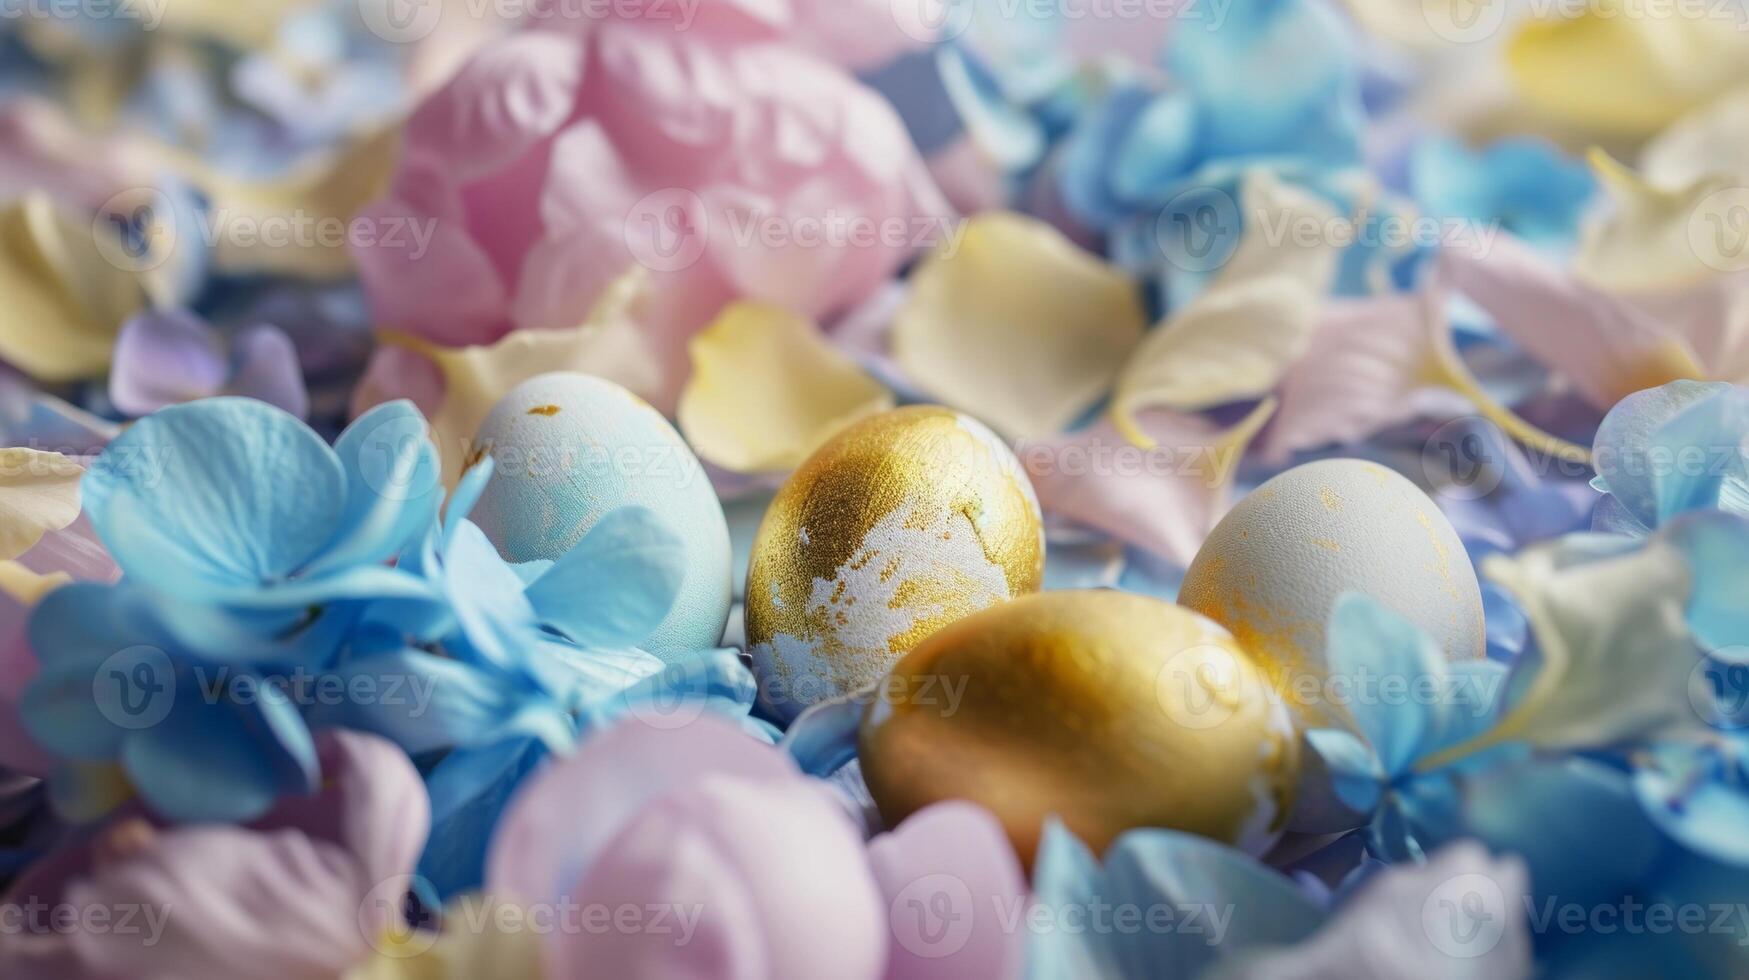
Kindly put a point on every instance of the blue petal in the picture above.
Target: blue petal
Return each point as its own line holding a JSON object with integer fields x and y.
{"x": 393, "y": 486}
{"x": 496, "y": 619}
{"x": 1620, "y": 449}
{"x": 1705, "y": 815}
{"x": 469, "y": 789}
{"x": 1159, "y": 149}
{"x": 215, "y": 497}
{"x": 1716, "y": 546}
{"x": 1150, "y": 869}
{"x": 467, "y": 491}
{"x": 1386, "y": 659}
{"x": 576, "y": 676}
{"x": 1355, "y": 775}
{"x": 1697, "y": 451}
{"x": 714, "y": 680}
{"x": 822, "y": 739}
{"x": 1575, "y": 822}
{"x": 615, "y": 586}
{"x": 93, "y": 642}
{"x": 424, "y": 702}
{"x": 221, "y": 761}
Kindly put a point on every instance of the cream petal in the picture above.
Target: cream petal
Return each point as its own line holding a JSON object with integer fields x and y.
{"x": 39, "y": 493}
{"x": 766, "y": 390}
{"x": 1242, "y": 333}
{"x": 1662, "y": 238}
{"x": 67, "y": 288}
{"x": 1017, "y": 325}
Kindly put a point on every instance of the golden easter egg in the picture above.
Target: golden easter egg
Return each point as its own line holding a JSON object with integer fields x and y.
{"x": 902, "y": 523}
{"x": 1106, "y": 709}
{"x": 1272, "y": 569}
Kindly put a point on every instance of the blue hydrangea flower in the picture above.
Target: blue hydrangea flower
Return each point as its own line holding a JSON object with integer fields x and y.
{"x": 1525, "y": 186}
{"x": 1407, "y": 703}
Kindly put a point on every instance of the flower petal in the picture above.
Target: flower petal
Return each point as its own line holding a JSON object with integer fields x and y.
{"x": 617, "y": 584}
{"x": 165, "y": 357}
{"x": 1238, "y": 337}
{"x": 266, "y": 367}
{"x": 392, "y": 488}
{"x": 945, "y": 865}
{"x": 66, "y": 293}
{"x": 220, "y": 495}
{"x": 766, "y": 390}
{"x": 1653, "y": 238}
{"x": 39, "y": 493}
{"x": 1017, "y": 325}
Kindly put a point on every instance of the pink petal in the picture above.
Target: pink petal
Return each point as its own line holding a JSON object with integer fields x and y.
{"x": 1164, "y": 500}
{"x": 508, "y": 97}
{"x": 1363, "y": 371}
{"x": 396, "y": 372}
{"x": 1604, "y": 346}
{"x": 229, "y": 902}
{"x": 955, "y": 893}
{"x": 773, "y": 873}
{"x": 564, "y": 818}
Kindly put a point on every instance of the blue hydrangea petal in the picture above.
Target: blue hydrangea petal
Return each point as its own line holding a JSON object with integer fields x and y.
{"x": 467, "y": 492}
{"x": 215, "y": 497}
{"x": 76, "y": 630}
{"x": 496, "y": 620}
{"x": 393, "y": 486}
{"x": 424, "y": 702}
{"x": 1386, "y": 659}
{"x": 1706, "y": 815}
{"x": 613, "y": 588}
{"x": 1716, "y": 546}
{"x": 469, "y": 790}
{"x": 713, "y": 680}
{"x": 575, "y": 675}
{"x": 221, "y": 761}
{"x": 1159, "y": 149}
{"x": 822, "y": 739}
{"x": 1697, "y": 451}
{"x": 1356, "y": 777}
{"x": 1625, "y": 436}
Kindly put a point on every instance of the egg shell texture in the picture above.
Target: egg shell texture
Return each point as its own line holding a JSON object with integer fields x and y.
{"x": 569, "y": 449}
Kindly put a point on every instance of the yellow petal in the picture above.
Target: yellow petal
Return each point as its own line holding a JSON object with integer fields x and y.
{"x": 1658, "y": 239}
{"x": 299, "y": 225}
{"x": 766, "y": 390}
{"x": 242, "y": 25}
{"x": 27, "y": 587}
{"x": 64, "y": 298}
{"x": 1240, "y": 335}
{"x": 607, "y": 343}
{"x": 1628, "y": 75}
{"x": 39, "y": 493}
{"x": 1017, "y": 325}
{"x": 487, "y": 939}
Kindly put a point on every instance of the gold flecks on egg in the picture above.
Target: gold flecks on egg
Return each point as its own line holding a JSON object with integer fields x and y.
{"x": 1105, "y": 709}
{"x": 899, "y": 525}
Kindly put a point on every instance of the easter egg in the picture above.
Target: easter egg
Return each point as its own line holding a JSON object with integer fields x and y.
{"x": 569, "y": 448}
{"x": 1273, "y": 567}
{"x": 1106, "y": 709}
{"x": 897, "y": 526}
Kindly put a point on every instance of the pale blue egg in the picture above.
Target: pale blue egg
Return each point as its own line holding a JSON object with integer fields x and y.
{"x": 572, "y": 447}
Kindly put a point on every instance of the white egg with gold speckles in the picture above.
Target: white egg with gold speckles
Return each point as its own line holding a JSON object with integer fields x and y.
{"x": 572, "y": 447}
{"x": 899, "y": 525}
{"x": 1272, "y": 569}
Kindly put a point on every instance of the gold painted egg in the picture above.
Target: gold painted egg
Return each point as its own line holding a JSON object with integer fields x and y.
{"x": 1273, "y": 567}
{"x": 902, "y": 523}
{"x": 1106, "y": 709}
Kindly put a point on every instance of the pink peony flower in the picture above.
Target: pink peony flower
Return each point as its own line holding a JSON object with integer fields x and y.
{"x": 764, "y": 868}
{"x": 719, "y": 152}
